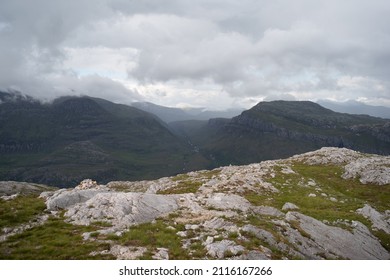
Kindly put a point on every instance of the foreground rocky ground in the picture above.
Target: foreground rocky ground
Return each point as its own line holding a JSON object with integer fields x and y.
{"x": 327, "y": 204}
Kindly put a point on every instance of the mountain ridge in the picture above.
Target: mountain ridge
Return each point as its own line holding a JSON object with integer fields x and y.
{"x": 287, "y": 127}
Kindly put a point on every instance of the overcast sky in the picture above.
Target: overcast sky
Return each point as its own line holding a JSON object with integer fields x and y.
{"x": 202, "y": 53}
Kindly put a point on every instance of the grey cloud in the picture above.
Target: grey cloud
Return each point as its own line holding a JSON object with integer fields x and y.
{"x": 248, "y": 48}
{"x": 99, "y": 87}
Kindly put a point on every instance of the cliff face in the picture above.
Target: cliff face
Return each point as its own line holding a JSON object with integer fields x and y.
{"x": 328, "y": 204}
{"x": 258, "y": 126}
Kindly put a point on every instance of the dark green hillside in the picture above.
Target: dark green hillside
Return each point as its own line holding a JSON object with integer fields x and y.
{"x": 78, "y": 137}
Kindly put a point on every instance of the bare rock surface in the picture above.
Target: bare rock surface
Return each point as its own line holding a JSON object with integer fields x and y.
{"x": 289, "y": 206}
{"x": 379, "y": 221}
{"x": 66, "y": 198}
{"x": 224, "y": 248}
{"x": 228, "y": 201}
{"x": 358, "y": 244}
{"x": 267, "y": 211}
{"x": 328, "y": 155}
{"x": 127, "y": 253}
{"x": 122, "y": 209}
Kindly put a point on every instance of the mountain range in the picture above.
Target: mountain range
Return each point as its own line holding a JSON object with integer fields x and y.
{"x": 169, "y": 114}
{"x": 356, "y": 107}
{"x": 72, "y": 138}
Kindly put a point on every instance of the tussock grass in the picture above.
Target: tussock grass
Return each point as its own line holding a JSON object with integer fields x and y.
{"x": 20, "y": 210}
{"x": 155, "y": 235}
{"x": 53, "y": 240}
{"x": 186, "y": 186}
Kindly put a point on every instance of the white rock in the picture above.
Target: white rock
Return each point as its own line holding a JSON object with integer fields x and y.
{"x": 224, "y": 201}
{"x": 219, "y": 249}
{"x": 161, "y": 254}
{"x": 9, "y": 197}
{"x": 359, "y": 244}
{"x": 219, "y": 223}
{"x": 127, "y": 253}
{"x": 87, "y": 184}
{"x": 328, "y": 155}
{"x": 122, "y": 209}
{"x": 379, "y": 221}
{"x": 369, "y": 170}
{"x": 267, "y": 211}
{"x": 181, "y": 233}
{"x": 192, "y": 227}
{"x": 311, "y": 183}
{"x": 289, "y": 206}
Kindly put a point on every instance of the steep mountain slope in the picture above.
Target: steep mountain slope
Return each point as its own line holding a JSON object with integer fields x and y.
{"x": 280, "y": 129}
{"x": 332, "y": 203}
{"x": 63, "y": 142}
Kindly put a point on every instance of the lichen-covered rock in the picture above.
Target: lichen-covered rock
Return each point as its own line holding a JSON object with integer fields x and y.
{"x": 161, "y": 254}
{"x": 288, "y": 206}
{"x": 224, "y": 201}
{"x": 260, "y": 234}
{"x": 127, "y": 253}
{"x": 326, "y": 240}
{"x": 267, "y": 211}
{"x": 328, "y": 155}
{"x": 65, "y": 198}
{"x": 122, "y": 209}
{"x": 224, "y": 248}
{"x": 379, "y": 221}
{"x": 369, "y": 170}
{"x": 219, "y": 223}
{"x": 87, "y": 184}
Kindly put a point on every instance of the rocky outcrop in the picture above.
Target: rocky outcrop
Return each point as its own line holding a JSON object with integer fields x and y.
{"x": 374, "y": 170}
{"x": 122, "y": 209}
{"x": 334, "y": 241}
{"x": 328, "y": 155}
{"x": 379, "y": 221}
{"x": 258, "y": 211}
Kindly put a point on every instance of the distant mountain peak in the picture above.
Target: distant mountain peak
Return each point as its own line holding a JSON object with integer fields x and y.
{"x": 356, "y": 107}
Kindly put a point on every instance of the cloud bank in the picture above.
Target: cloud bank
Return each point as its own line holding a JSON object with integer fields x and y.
{"x": 213, "y": 53}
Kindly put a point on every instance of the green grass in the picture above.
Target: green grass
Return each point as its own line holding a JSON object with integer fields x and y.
{"x": 53, "y": 240}
{"x": 20, "y": 210}
{"x": 186, "y": 186}
{"x": 155, "y": 235}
